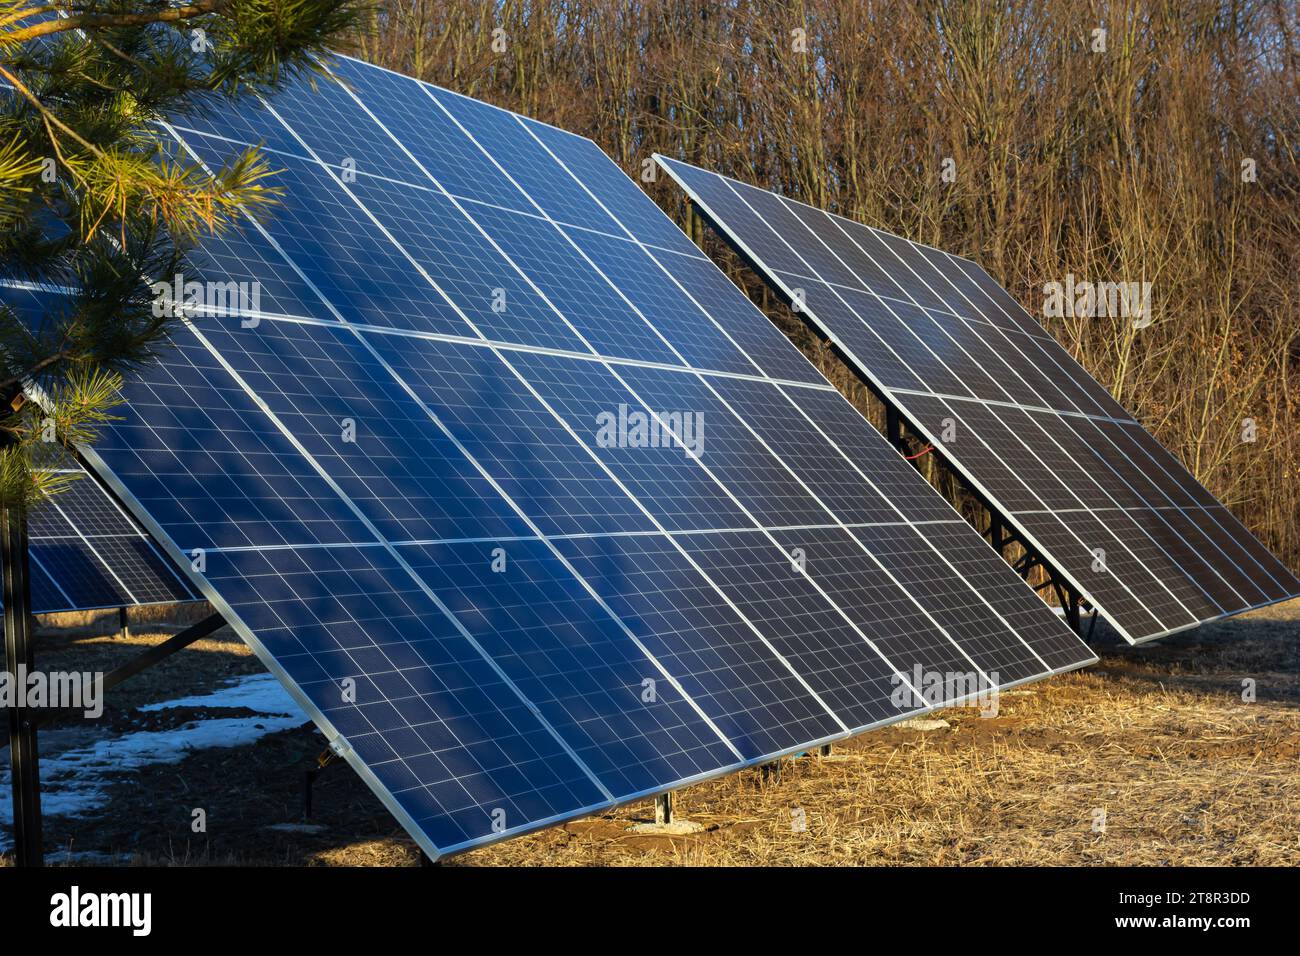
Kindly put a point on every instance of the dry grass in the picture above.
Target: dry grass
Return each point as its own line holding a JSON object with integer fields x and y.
{"x": 1157, "y": 737}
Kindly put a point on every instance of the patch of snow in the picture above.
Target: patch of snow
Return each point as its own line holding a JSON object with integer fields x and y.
{"x": 74, "y": 782}
{"x": 258, "y": 692}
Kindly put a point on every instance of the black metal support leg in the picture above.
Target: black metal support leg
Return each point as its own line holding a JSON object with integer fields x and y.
{"x": 19, "y": 658}
{"x": 309, "y": 778}
{"x": 995, "y": 532}
{"x": 308, "y": 784}
{"x": 1070, "y": 604}
{"x": 146, "y": 659}
{"x": 894, "y": 427}
{"x": 123, "y": 626}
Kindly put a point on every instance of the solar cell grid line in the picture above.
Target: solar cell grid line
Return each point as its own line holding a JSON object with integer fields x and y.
{"x": 324, "y": 587}
{"x": 1079, "y": 388}
{"x": 762, "y": 638}
{"x": 1044, "y": 475}
{"x": 715, "y": 388}
{"x": 398, "y": 809}
{"x": 860, "y": 444}
{"x": 1064, "y": 362}
{"x": 699, "y": 282}
{"x": 87, "y": 554}
{"x": 89, "y": 545}
{"x": 534, "y": 387}
{"x": 1214, "y": 581}
{"x": 798, "y": 678}
{"x": 1090, "y": 494}
{"x": 632, "y": 372}
{"x": 547, "y": 615}
{"x": 857, "y": 680}
{"x": 1041, "y": 489}
{"x": 367, "y": 727}
{"x": 1109, "y": 410}
{"x": 799, "y": 368}
{"x": 46, "y": 591}
{"x": 502, "y": 170}
{"x": 1054, "y": 472}
{"x": 539, "y": 374}
{"x": 1131, "y": 480}
{"x": 1188, "y": 574}
{"x": 1167, "y": 468}
{"x": 967, "y": 653}
{"x": 451, "y": 736}
{"x": 961, "y": 610}
{"x": 840, "y": 730}
{"x": 505, "y": 346}
{"x": 1153, "y": 535}
{"x": 1016, "y": 603}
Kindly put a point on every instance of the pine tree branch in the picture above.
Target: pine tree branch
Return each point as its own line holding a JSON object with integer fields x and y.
{"x": 92, "y": 21}
{"x": 26, "y": 14}
{"x": 49, "y": 117}
{"x": 44, "y": 365}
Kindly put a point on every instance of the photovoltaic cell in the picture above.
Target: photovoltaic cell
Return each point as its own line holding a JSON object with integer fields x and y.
{"x": 833, "y": 655}
{"x": 523, "y": 500}
{"x": 85, "y": 552}
{"x": 572, "y": 659}
{"x": 1015, "y": 415}
{"x": 438, "y": 730}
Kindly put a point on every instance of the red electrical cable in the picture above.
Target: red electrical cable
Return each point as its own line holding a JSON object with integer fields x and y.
{"x": 924, "y": 451}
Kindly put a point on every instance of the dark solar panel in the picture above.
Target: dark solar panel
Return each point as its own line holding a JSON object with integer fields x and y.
{"x": 1082, "y": 482}
{"x": 86, "y": 553}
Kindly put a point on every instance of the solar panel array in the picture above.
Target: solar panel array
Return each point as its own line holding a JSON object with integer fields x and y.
{"x": 85, "y": 551}
{"x": 1074, "y": 473}
{"x": 528, "y": 505}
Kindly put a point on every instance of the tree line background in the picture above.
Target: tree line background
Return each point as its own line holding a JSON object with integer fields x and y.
{"x": 1169, "y": 156}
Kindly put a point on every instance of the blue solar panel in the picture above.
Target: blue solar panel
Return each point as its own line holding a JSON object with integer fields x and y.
{"x": 1081, "y": 482}
{"x": 85, "y": 551}
{"x": 533, "y": 511}
{"x": 573, "y": 659}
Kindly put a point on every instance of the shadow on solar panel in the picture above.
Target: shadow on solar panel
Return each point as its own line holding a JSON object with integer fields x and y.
{"x": 528, "y": 506}
{"x": 1067, "y": 473}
